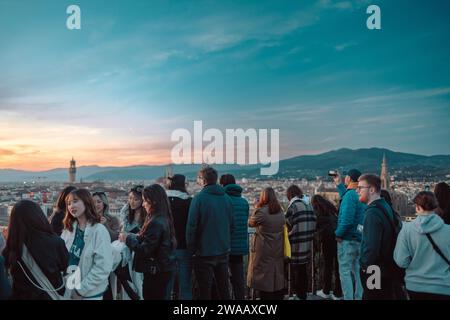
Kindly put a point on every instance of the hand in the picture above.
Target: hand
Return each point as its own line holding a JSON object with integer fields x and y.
{"x": 337, "y": 179}
{"x": 5, "y": 233}
{"x": 123, "y": 236}
{"x": 102, "y": 220}
{"x": 338, "y": 240}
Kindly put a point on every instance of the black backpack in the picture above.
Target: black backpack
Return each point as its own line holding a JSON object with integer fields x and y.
{"x": 396, "y": 225}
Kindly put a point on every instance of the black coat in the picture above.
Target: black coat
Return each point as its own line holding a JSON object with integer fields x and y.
{"x": 50, "y": 253}
{"x": 154, "y": 247}
{"x": 326, "y": 226}
{"x": 180, "y": 211}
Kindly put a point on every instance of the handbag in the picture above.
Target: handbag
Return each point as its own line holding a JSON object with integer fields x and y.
{"x": 43, "y": 283}
{"x": 150, "y": 266}
{"x": 287, "y": 244}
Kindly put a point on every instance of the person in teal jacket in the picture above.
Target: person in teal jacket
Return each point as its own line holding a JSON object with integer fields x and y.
{"x": 427, "y": 272}
{"x": 239, "y": 238}
{"x": 208, "y": 235}
{"x": 348, "y": 234}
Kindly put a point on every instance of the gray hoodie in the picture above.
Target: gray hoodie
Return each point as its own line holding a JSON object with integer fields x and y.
{"x": 426, "y": 271}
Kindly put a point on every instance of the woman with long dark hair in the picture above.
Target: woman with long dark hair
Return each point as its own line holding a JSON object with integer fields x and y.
{"x": 442, "y": 193}
{"x": 89, "y": 245}
{"x": 30, "y": 237}
{"x": 326, "y": 214}
{"x": 133, "y": 216}
{"x": 56, "y": 219}
{"x": 266, "y": 262}
{"x": 133, "y": 213}
{"x": 155, "y": 244}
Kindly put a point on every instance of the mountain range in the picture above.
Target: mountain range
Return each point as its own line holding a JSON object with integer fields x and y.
{"x": 403, "y": 165}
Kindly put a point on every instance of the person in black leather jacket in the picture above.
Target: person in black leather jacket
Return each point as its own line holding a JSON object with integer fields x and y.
{"x": 155, "y": 244}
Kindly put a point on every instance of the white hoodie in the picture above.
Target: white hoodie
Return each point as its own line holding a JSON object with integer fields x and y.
{"x": 96, "y": 259}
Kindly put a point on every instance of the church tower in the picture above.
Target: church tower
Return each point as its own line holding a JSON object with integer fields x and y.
{"x": 384, "y": 174}
{"x": 72, "y": 171}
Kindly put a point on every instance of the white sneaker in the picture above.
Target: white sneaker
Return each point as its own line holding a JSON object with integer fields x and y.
{"x": 322, "y": 294}
{"x": 336, "y": 298}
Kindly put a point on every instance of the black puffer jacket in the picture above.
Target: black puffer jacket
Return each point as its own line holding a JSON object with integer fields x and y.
{"x": 155, "y": 245}
{"x": 50, "y": 253}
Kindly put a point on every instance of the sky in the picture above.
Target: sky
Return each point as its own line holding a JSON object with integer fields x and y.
{"x": 113, "y": 92}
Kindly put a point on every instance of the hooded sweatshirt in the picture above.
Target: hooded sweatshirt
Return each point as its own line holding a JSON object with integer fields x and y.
{"x": 426, "y": 271}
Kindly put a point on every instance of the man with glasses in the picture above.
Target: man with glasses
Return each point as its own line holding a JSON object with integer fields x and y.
{"x": 348, "y": 235}
{"x": 378, "y": 240}
{"x": 208, "y": 235}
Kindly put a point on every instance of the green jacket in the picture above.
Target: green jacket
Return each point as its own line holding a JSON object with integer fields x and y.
{"x": 210, "y": 222}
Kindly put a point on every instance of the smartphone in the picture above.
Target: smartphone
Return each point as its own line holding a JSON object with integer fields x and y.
{"x": 332, "y": 173}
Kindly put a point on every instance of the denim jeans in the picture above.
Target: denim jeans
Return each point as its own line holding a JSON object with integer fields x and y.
{"x": 212, "y": 269}
{"x": 348, "y": 257}
{"x": 184, "y": 274}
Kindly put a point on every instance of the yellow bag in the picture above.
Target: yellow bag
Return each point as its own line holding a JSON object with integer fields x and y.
{"x": 287, "y": 244}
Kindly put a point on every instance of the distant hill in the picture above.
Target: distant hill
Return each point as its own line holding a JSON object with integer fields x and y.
{"x": 366, "y": 160}
{"x": 309, "y": 166}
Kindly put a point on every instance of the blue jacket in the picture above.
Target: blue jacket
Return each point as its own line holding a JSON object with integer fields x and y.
{"x": 210, "y": 222}
{"x": 426, "y": 271}
{"x": 239, "y": 238}
{"x": 351, "y": 214}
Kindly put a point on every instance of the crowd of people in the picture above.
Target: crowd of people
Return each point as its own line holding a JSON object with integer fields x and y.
{"x": 167, "y": 244}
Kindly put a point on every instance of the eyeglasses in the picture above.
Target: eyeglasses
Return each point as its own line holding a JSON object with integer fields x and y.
{"x": 98, "y": 193}
{"x": 362, "y": 187}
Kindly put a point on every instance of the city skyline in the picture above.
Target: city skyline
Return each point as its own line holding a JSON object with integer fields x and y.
{"x": 111, "y": 93}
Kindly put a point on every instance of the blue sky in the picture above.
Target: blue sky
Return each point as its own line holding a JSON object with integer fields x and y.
{"x": 112, "y": 92}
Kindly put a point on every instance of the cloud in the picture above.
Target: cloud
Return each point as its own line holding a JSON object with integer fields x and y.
{"x": 343, "y": 46}
{"x": 6, "y": 152}
{"x": 342, "y": 5}
{"x": 406, "y": 95}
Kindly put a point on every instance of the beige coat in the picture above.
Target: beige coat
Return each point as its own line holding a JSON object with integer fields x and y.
{"x": 266, "y": 262}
